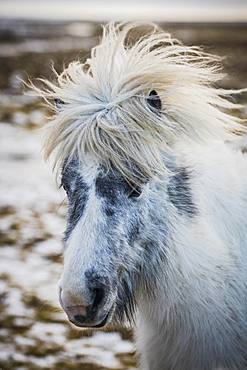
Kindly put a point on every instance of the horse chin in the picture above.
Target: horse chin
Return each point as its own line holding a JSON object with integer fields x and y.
{"x": 104, "y": 322}
{"x": 87, "y": 325}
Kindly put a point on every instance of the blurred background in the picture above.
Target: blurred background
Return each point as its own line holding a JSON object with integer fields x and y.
{"x": 34, "y": 34}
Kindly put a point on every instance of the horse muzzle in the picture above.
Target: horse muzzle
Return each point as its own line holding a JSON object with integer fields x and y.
{"x": 88, "y": 305}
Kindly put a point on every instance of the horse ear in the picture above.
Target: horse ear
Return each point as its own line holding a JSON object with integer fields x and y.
{"x": 154, "y": 101}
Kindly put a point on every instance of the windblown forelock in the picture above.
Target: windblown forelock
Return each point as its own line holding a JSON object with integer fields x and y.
{"x": 105, "y": 109}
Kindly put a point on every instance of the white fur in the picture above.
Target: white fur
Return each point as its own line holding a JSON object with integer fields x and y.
{"x": 205, "y": 287}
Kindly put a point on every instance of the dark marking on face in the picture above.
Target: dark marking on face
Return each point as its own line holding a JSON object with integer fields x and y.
{"x": 111, "y": 185}
{"x": 179, "y": 192}
{"x": 109, "y": 211}
{"x": 107, "y": 185}
{"x": 77, "y": 193}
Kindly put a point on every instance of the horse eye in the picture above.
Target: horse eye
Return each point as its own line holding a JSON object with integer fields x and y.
{"x": 64, "y": 185}
{"x": 58, "y": 103}
{"x": 135, "y": 192}
{"x": 154, "y": 101}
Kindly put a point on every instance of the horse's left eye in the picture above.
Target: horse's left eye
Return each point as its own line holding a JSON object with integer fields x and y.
{"x": 135, "y": 192}
{"x": 64, "y": 185}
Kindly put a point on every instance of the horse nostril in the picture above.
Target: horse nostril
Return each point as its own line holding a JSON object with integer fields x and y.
{"x": 99, "y": 294}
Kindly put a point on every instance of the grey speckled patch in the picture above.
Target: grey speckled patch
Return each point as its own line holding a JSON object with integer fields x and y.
{"x": 180, "y": 194}
{"x": 77, "y": 192}
{"x": 110, "y": 185}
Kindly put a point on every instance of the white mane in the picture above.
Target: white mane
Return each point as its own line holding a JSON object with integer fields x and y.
{"x": 106, "y": 111}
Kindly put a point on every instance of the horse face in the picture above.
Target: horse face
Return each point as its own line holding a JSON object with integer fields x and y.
{"x": 102, "y": 239}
